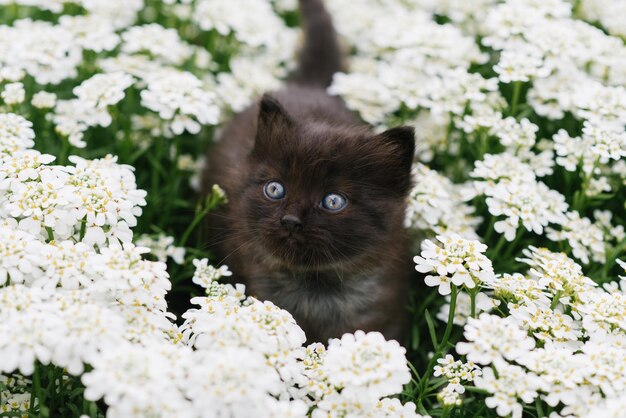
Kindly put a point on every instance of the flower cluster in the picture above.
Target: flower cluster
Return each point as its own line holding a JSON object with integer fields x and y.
{"x": 559, "y": 344}
{"x": 512, "y": 190}
{"x": 79, "y": 293}
{"x": 459, "y": 262}
{"x": 436, "y": 204}
{"x": 455, "y": 372}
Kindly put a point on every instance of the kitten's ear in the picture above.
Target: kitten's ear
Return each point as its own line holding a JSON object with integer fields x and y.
{"x": 400, "y": 156}
{"x": 273, "y": 125}
{"x": 403, "y": 139}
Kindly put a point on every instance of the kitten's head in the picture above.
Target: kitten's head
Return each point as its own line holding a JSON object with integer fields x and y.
{"x": 320, "y": 196}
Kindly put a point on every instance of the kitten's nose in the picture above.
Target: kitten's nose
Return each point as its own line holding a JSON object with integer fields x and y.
{"x": 291, "y": 222}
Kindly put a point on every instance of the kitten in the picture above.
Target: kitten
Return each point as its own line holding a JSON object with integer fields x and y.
{"x": 316, "y": 205}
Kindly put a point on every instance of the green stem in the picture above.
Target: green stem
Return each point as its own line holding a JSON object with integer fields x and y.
{"x": 450, "y": 324}
{"x": 192, "y": 226}
{"x": 613, "y": 255}
{"x": 442, "y": 346}
{"x": 50, "y": 234}
{"x": 445, "y": 413}
{"x": 155, "y": 192}
{"x": 511, "y": 247}
{"x": 476, "y": 390}
{"x": 555, "y": 300}
{"x": 36, "y": 388}
{"x": 484, "y": 143}
{"x": 489, "y": 231}
{"x": 65, "y": 150}
{"x": 539, "y": 408}
{"x": 580, "y": 197}
{"x": 499, "y": 245}
{"x": 83, "y": 228}
{"x": 517, "y": 87}
{"x": 472, "y": 296}
{"x": 211, "y": 201}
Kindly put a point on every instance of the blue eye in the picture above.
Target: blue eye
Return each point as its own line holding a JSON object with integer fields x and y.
{"x": 274, "y": 190}
{"x": 334, "y": 202}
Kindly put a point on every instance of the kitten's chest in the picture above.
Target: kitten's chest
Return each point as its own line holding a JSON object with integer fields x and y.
{"x": 323, "y": 305}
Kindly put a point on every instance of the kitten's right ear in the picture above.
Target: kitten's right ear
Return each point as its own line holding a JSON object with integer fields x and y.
{"x": 403, "y": 139}
{"x": 400, "y": 146}
{"x": 273, "y": 125}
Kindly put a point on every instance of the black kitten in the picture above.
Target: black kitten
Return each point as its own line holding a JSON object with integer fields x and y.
{"x": 316, "y": 201}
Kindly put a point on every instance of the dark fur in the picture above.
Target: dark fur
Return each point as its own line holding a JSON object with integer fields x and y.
{"x": 341, "y": 271}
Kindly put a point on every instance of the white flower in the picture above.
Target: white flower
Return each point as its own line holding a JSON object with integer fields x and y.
{"x": 43, "y": 203}
{"x": 13, "y": 93}
{"x": 521, "y": 289}
{"x": 512, "y": 383}
{"x": 251, "y": 27}
{"x": 16, "y": 133}
{"x": 512, "y": 191}
{"x": 233, "y": 382}
{"x": 515, "y": 134}
{"x": 162, "y": 247}
{"x": 136, "y": 379}
{"x": 453, "y": 90}
{"x": 611, "y": 408}
{"x": 43, "y": 50}
{"x": 366, "y": 365}
{"x": 108, "y": 197}
{"x": 364, "y": 94}
{"x": 63, "y": 328}
{"x": 572, "y": 151}
{"x": 123, "y": 274}
{"x": 437, "y": 204}
{"x": 448, "y": 396}
{"x": 459, "y": 262}
{"x": 20, "y": 255}
{"x": 337, "y": 405}
{"x": 223, "y": 321}
{"x": 249, "y": 77}
{"x": 73, "y": 117}
{"x": 607, "y": 144}
{"x": 92, "y": 32}
{"x": 139, "y": 66}
{"x": 546, "y": 324}
{"x": 102, "y": 90}
{"x": 44, "y": 100}
{"x": 163, "y": 44}
{"x": 392, "y": 408}
{"x": 603, "y": 220}
{"x": 603, "y": 313}
{"x": 90, "y": 329}
{"x": 521, "y": 64}
{"x": 598, "y": 186}
{"x": 65, "y": 264}
{"x": 585, "y": 238}
{"x": 180, "y": 93}
{"x": 557, "y": 273}
{"x": 206, "y": 274}
{"x": 15, "y": 402}
{"x": 493, "y": 339}
{"x": 119, "y": 13}
{"x": 456, "y": 372}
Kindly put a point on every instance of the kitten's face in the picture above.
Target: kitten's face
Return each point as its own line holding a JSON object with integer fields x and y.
{"x": 320, "y": 197}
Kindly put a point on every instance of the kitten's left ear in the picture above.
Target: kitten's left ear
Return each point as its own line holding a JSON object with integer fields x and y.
{"x": 403, "y": 140}
{"x": 273, "y": 126}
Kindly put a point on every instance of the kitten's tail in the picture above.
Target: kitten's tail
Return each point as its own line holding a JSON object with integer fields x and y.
{"x": 320, "y": 56}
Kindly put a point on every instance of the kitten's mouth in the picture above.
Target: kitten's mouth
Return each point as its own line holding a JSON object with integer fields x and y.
{"x": 292, "y": 241}
{"x": 297, "y": 253}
